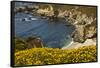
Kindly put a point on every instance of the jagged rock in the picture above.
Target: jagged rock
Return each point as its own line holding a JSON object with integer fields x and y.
{"x": 34, "y": 42}
{"x": 91, "y": 30}
{"x": 78, "y": 36}
{"x": 83, "y": 32}
{"x": 85, "y": 28}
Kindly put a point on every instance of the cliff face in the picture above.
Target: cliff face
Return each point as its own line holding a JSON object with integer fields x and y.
{"x": 34, "y": 42}
{"x": 30, "y": 42}
{"x": 85, "y": 27}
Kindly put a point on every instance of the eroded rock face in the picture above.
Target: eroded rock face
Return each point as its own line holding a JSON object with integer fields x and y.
{"x": 34, "y": 42}
{"x": 85, "y": 27}
{"x": 79, "y": 34}
{"x": 85, "y": 33}
{"x": 91, "y": 30}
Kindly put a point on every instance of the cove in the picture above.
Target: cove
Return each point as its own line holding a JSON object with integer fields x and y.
{"x": 55, "y": 34}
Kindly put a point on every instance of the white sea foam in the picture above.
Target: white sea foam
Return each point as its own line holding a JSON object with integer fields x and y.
{"x": 66, "y": 46}
{"x": 73, "y": 44}
{"x": 33, "y": 18}
{"x": 29, "y": 19}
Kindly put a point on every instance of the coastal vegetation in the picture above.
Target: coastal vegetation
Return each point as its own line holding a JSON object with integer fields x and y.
{"x": 20, "y": 44}
{"x": 26, "y": 55}
{"x": 30, "y": 42}
{"x": 42, "y": 56}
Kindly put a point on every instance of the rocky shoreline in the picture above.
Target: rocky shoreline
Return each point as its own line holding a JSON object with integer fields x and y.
{"x": 83, "y": 18}
{"x": 85, "y": 33}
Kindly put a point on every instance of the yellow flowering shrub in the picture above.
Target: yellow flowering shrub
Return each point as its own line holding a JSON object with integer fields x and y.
{"x": 42, "y": 56}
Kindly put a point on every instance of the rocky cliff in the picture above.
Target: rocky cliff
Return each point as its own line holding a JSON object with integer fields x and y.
{"x": 30, "y": 42}
{"x": 86, "y": 26}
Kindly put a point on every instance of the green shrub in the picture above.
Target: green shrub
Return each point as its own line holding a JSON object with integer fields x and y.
{"x": 41, "y": 56}
{"x": 20, "y": 44}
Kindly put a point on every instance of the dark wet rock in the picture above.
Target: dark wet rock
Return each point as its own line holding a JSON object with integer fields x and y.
{"x": 34, "y": 42}
{"x": 78, "y": 36}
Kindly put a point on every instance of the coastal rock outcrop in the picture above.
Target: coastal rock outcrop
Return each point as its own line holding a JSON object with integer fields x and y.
{"x": 34, "y": 42}
{"x": 30, "y": 42}
{"x": 85, "y": 28}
